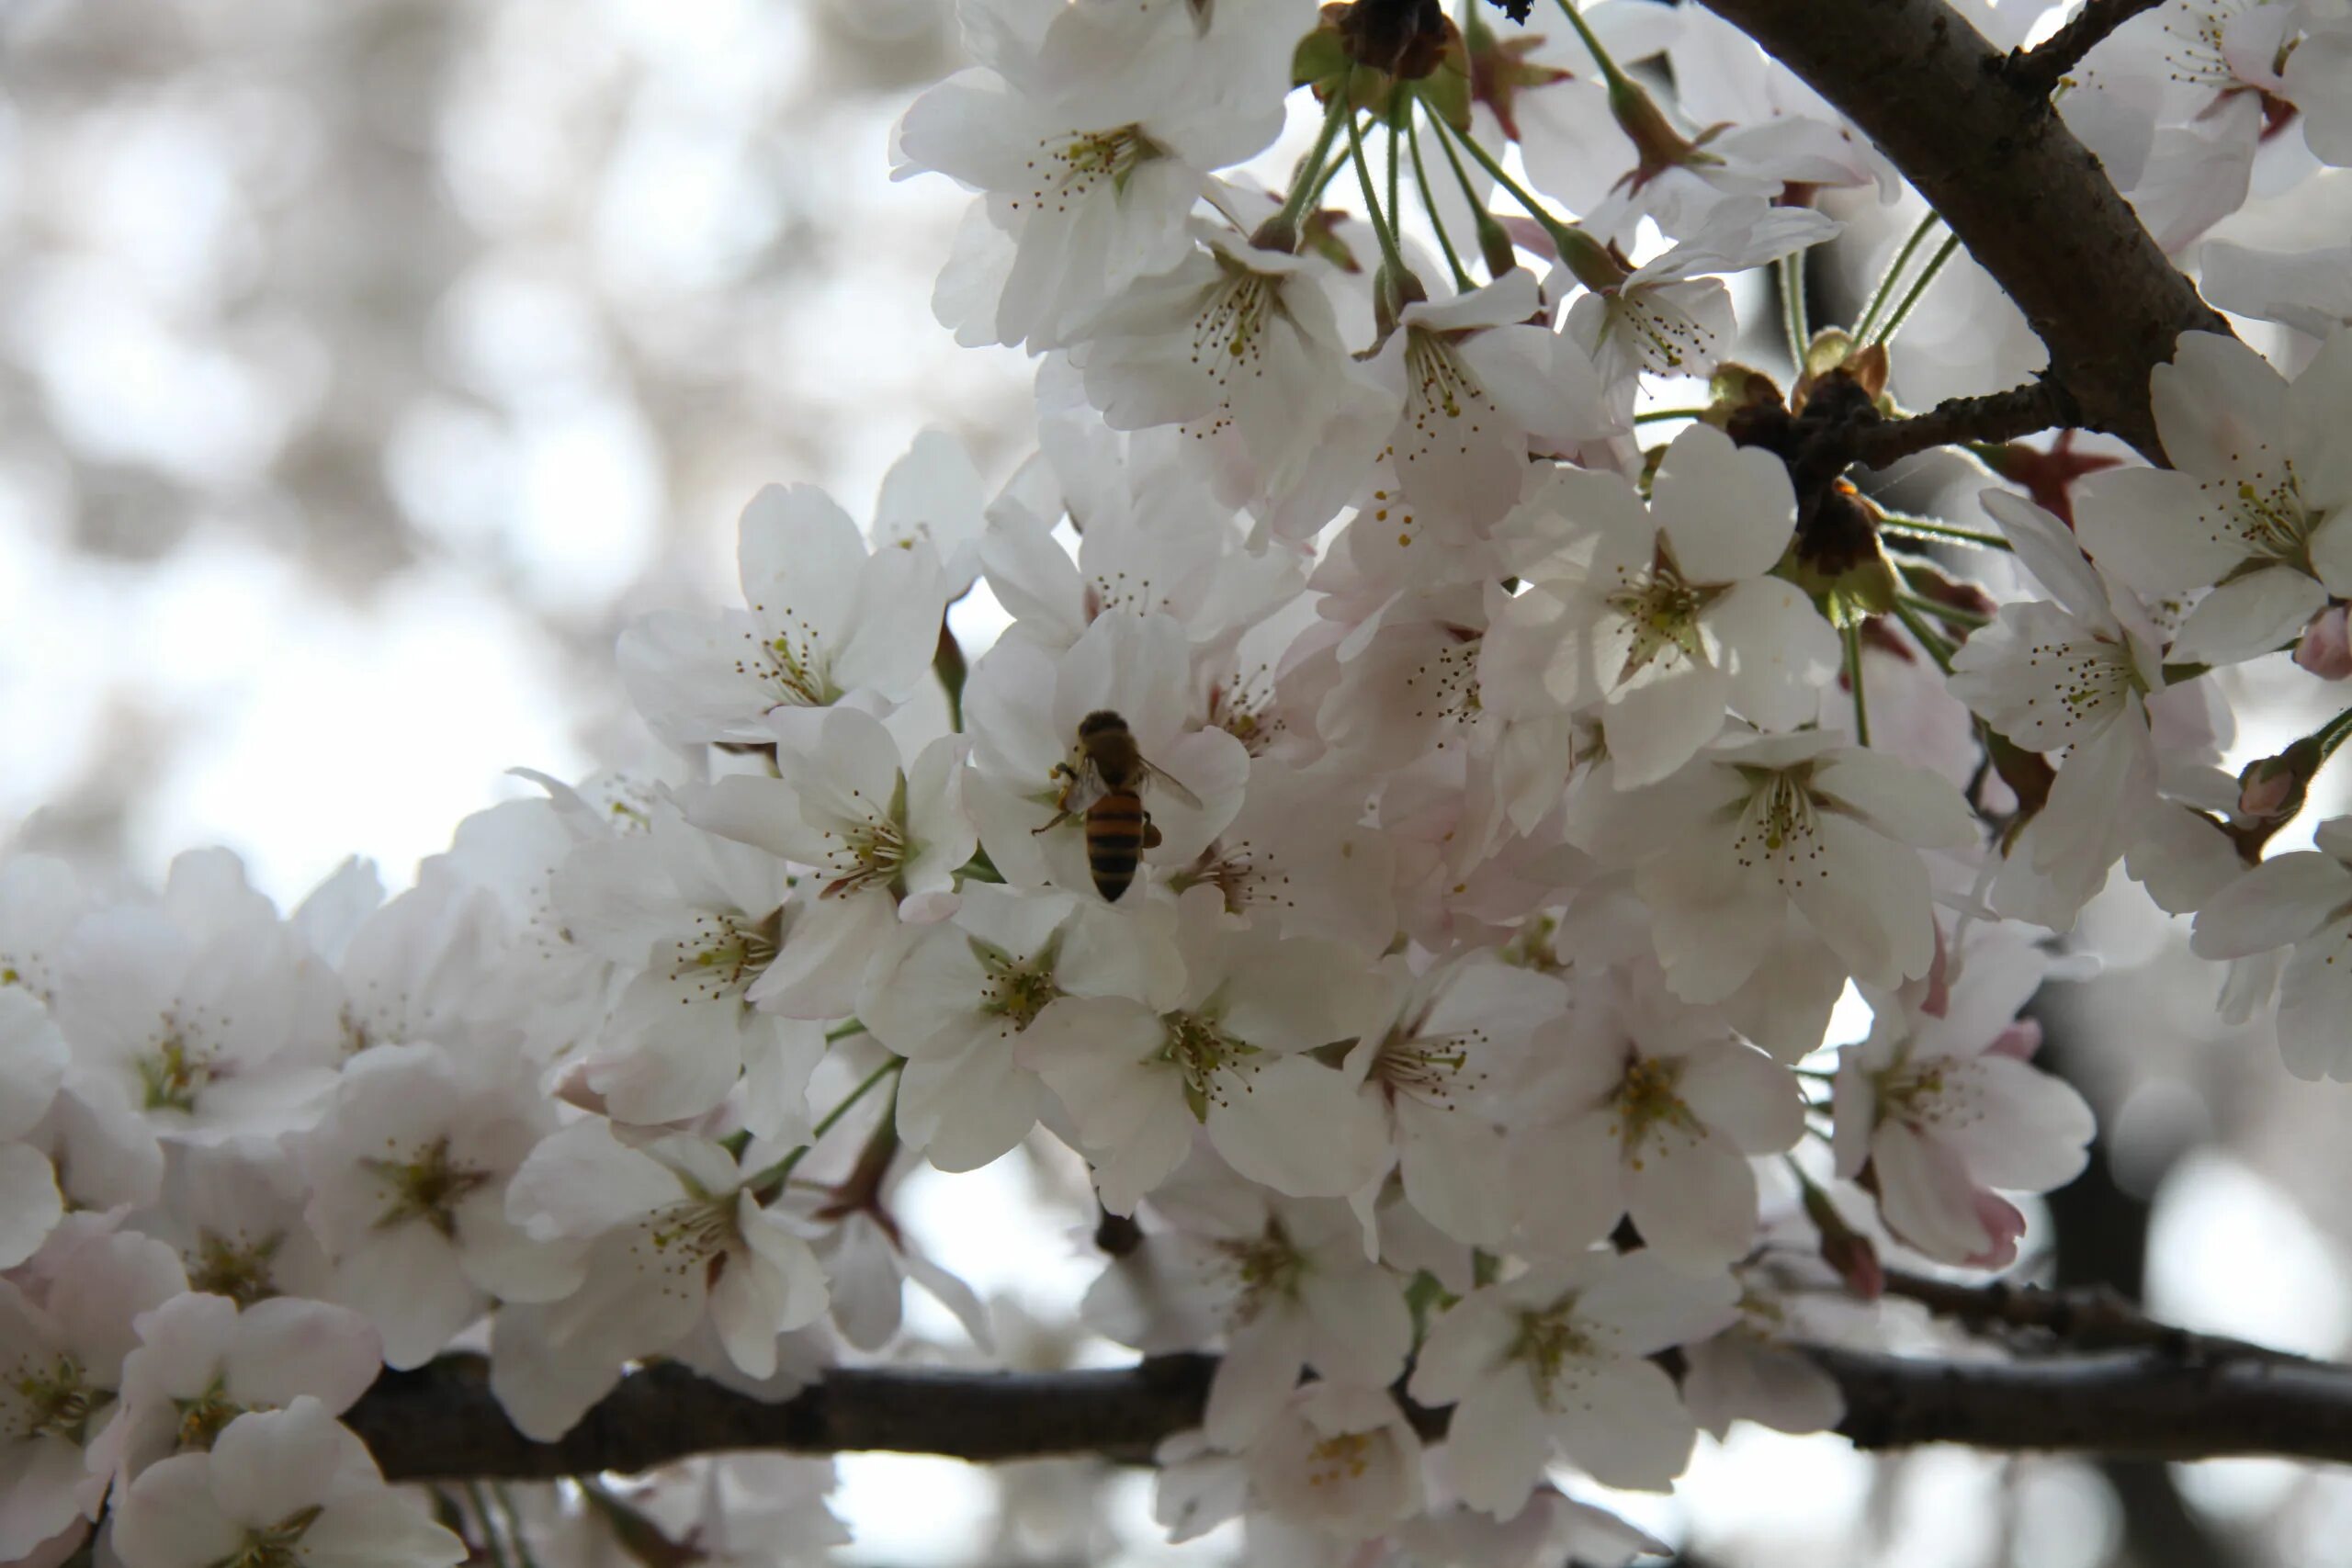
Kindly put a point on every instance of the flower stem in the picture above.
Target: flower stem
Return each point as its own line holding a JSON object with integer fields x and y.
{"x": 1611, "y": 77}
{"x": 489, "y": 1542}
{"x": 1927, "y": 275}
{"x": 523, "y": 1557}
{"x": 1494, "y": 242}
{"x": 1929, "y": 529}
{"x": 774, "y": 1176}
{"x": 1391, "y": 257}
{"x": 1794, "y": 319}
{"x": 1428, "y": 203}
{"x": 1579, "y": 252}
{"x": 1655, "y": 415}
{"x": 1950, "y": 614}
{"x": 1925, "y": 636}
{"x": 1853, "y": 635}
{"x": 1313, "y": 175}
{"x": 1885, "y": 289}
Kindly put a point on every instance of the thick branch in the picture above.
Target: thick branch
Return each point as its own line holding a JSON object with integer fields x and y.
{"x": 2030, "y": 202}
{"x": 2039, "y": 71}
{"x": 440, "y": 1421}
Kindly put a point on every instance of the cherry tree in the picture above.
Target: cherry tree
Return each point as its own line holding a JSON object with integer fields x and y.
{"x": 1462, "y": 733}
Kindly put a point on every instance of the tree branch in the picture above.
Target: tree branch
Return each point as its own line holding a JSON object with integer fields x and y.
{"x": 2039, "y": 71}
{"x": 1995, "y": 416}
{"x": 2028, "y": 200}
{"x": 440, "y": 1421}
{"x": 2093, "y": 1318}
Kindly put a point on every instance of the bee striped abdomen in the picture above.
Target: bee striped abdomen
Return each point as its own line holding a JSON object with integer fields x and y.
{"x": 1115, "y": 826}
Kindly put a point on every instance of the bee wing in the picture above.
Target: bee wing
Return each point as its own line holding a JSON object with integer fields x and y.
{"x": 1085, "y": 788}
{"x": 1161, "y": 779}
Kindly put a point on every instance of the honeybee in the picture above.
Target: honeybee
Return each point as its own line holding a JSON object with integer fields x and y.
{"x": 1107, "y": 785}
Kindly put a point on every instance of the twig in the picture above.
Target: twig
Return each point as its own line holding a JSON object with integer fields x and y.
{"x": 1994, "y": 416}
{"x": 440, "y": 1420}
{"x": 2096, "y": 1319}
{"x": 2039, "y": 71}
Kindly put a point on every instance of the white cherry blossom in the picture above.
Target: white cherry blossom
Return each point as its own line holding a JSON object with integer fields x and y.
{"x": 1286, "y": 1283}
{"x": 2257, "y": 505}
{"x": 1555, "y": 1360}
{"x": 1090, "y": 141}
{"x": 62, "y": 1353}
{"x": 2301, "y": 901}
{"x": 954, "y": 998}
{"x": 202, "y": 1362}
{"x": 1654, "y": 1112}
{"x": 1225, "y": 1051}
{"x": 825, "y": 620}
{"x": 33, "y": 1060}
{"x": 1777, "y": 863}
{"x": 679, "y": 1233}
{"x": 1941, "y": 1106}
{"x": 278, "y": 1485}
{"x": 1663, "y": 619}
{"x": 2070, "y": 672}
{"x": 408, "y": 1174}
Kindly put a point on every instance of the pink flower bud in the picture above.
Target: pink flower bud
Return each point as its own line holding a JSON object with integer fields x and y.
{"x": 2325, "y": 647}
{"x": 2268, "y": 791}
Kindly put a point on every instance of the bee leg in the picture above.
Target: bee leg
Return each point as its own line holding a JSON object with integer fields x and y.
{"x": 1061, "y": 770}
{"x": 1150, "y": 834}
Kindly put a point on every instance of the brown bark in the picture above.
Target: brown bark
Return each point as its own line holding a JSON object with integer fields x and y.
{"x": 440, "y": 1421}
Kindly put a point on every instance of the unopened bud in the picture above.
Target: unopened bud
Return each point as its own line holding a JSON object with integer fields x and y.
{"x": 1276, "y": 233}
{"x": 2270, "y": 789}
{"x": 2325, "y": 646}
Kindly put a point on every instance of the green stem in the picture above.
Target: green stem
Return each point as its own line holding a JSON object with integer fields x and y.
{"x": 1429, "y": 204}
{"x": 1399, "y": 103}
{"x": 2334, "y": 733}
{"x": 775, "y": 1175}
{"x": 489, "y": 1530}
{"x": 1853, "y": 634}
{"x": 1614, "y": 79}
{"x": 1655, "y": 415}
{"x": 1949, "y": 613}
{"x": 1390, "y": 257}
{"x": 852, "y": 1028}
{"x": 1579, "y": 252}
{"x": 1928, "y": 527}
{"x": 1494, "y": 241}
{"x": 513, "y": 1528}
{"x": 1794, "y": 319}
{"x": 1885, "y": 289}
{"x": 1902, "y": 312}
{"x": 1938, "y": 647}
{"x": 1313, "y": 175}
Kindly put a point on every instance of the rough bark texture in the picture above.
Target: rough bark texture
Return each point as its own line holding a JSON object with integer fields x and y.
{"x": 440, "y": 1422}
{"x": 2027, "y": 200}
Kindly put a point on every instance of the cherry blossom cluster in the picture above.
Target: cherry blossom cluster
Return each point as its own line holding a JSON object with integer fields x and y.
{"x": 1511, "y": 797}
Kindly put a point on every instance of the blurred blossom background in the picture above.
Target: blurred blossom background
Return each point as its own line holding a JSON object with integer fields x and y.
{"x": 364, "y": 365}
